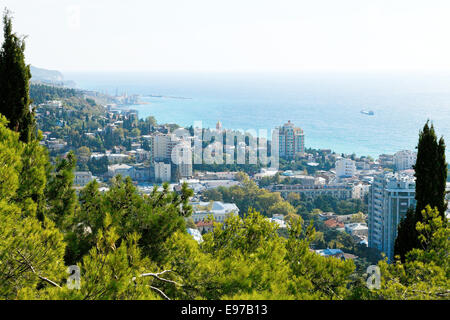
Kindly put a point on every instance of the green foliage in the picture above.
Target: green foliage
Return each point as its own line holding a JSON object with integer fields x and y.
{"x": 98, "y": 166}
{"x": 249, "y": 196}
{"x": 30, "y": 250}
{"x": 430, "y": 172}
{"x": 425, "y": 272}
{"x": 14, "y": 82}
{"x": 40, "y": 93}
{"x": 133, "y": 246}
{"x": 318, "y": 277}
{"x": 61, "y": 197}
{"x": 431, "y": 177}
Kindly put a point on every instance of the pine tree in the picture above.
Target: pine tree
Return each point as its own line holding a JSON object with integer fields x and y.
{"x": 14, "y": 83}
{"x": 431, "y": 176}
{"x": 61, "y": 197}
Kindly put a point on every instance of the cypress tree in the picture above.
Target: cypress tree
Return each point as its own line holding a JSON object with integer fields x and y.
{"x": 430, "y": 172}
{"x": 14, "y": 83}
{"x": 407, "y": 236}
{"x": 431, "y": 176}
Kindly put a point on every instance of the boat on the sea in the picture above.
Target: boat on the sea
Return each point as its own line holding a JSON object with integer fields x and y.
{"x": 368, "y": 112}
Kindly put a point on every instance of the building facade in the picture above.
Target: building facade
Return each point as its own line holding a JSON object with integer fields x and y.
{"x": 162, "y": 146}
{"x": 390, "y": 197}
{"x": 291, "y": 141}
{"x": 345, "y": 168}
{"x": 339, "y": 191}
{"x": 82, "y": 178}
{"x": 124, "y": 170}
{"x": 163, "y": 172}
{"x": 217, "y": 209}
{"x": 182, "y": 156}
{"x": 405, "y": 159}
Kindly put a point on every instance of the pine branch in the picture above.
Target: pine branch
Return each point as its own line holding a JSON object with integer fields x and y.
{"x": 157, "y": 276}
{"x": 160, "y": 292}
{"x": 34, "y": 271}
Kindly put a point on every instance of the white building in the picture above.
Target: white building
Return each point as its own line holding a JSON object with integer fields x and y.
{"x": 112, "y": 157}
{"x": 195, "y": 234}
{"x": 360, "y": 190}
{"x": 53, "y": 103}
{"x": 386, "y": 159}
{"x": 357, "y": 229}
{"x": 339, "y": 191}
{"x": 56, "y": 144}
{"x": 217, "y": 209}
{"x": 82, "y": 178}
{"x": 123, "y": 169}
{"x": 279, "y": 220}
{"x": 163, "y": 171}
{"x": 162, "y": 146}
{"x": 142, "y": 155}
{"x": 265, "y": 173}
{"x": 390, "y": 197}
{"x": 182, "y": 157}
{"x": 405, "y": 159}
{"x": 345, "y": 168}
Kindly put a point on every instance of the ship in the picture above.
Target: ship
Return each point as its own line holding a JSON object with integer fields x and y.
{"x": 368, "y": 112}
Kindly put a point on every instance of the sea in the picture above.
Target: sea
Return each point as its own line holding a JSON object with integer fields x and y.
{"x": 327, "y": 106}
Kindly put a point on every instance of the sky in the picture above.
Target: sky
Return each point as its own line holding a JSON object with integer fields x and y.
{"x": 235, "y": 35}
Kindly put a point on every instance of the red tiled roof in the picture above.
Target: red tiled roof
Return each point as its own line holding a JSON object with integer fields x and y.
{"x": 204, "y": 224}
{"x": 332, "y": 223}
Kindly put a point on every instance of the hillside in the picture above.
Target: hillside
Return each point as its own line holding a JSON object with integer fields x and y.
{"x": 40, "y": 75}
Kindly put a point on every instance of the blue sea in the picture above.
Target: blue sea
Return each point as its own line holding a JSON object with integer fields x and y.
{"x": 326, "y": 106}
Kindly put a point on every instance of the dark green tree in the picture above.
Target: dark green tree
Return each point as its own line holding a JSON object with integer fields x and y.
{"x": 14, "y": 83}
{"x": 59, "y": 191}
{"x": 431, "y": 176}
{"x": 430, "y": 172}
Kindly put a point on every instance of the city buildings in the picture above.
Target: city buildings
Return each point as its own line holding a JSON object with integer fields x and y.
{"x": 339, "y": 191}
{"x": 142, "y": 172}
{"x": 360, "y": 190}
{"x": 169, "y": 148}
{"x": 217, "y": 209}
{"x": 345, "y": 168}
{"x": 82, "y": 178}
{"x": 357, "y": 229}
{"x": 124, "y": 170}
{"x": 162, "y": 146}
{"x": 386, "y": 160}
{"x": 405, "y": 159}
{"x": 291, "y": 141}
{"x": 56, "y": 144}
{"x": 390, "y": 197}
{"x": 163, "y": 171}
{"x": 182, "y": 156}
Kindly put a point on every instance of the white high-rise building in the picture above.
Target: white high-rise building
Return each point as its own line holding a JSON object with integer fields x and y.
{"x": 163, "y": 145}
{"x": 182, "y": 158}
{"x": 345, "y": 168}
{"x": 163, "y": 171}
{"x": 390, "y": 197}
{"x": 291, "y": 141}
{"x": 405, "y": 159}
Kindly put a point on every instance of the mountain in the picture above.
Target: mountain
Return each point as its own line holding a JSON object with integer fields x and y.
{"x": 52, "y": 77}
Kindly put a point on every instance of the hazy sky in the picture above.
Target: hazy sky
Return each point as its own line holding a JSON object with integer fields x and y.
{"x": 235, "y": 35}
